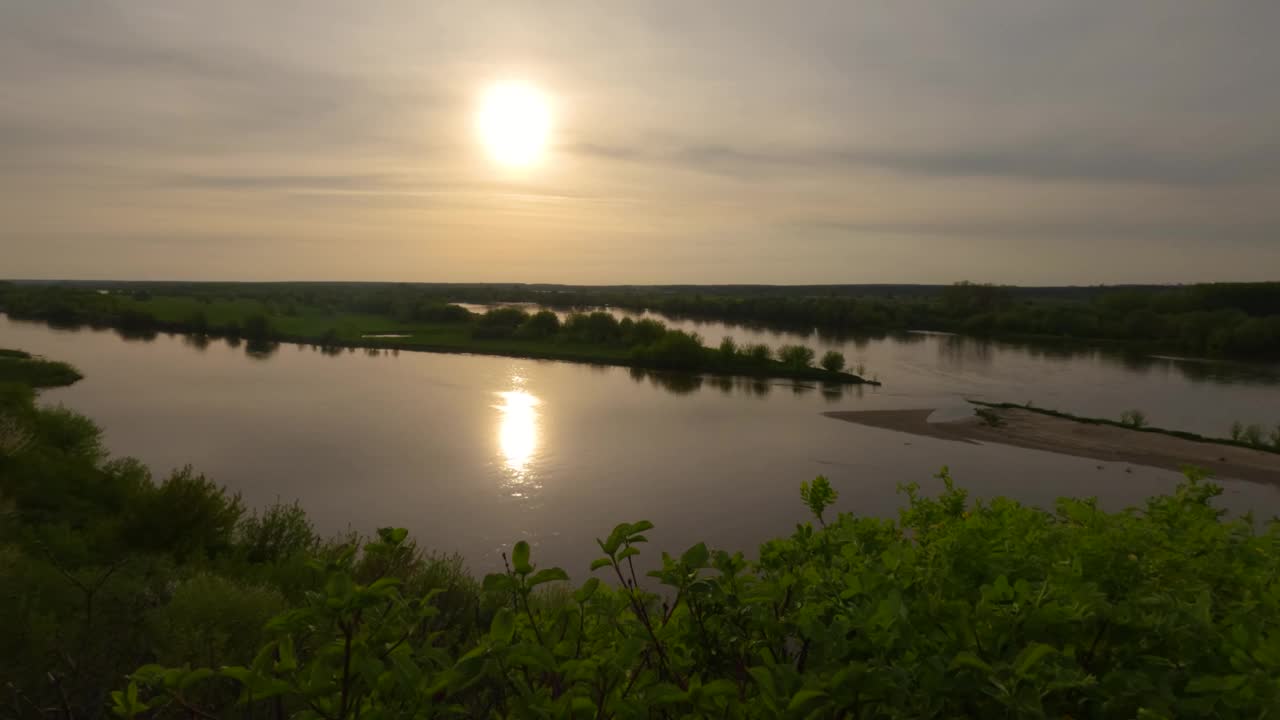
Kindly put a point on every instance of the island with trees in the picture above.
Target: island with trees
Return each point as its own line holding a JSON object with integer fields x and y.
{"x": 391, "y": 317}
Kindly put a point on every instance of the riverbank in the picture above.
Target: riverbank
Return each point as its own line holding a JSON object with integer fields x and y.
{"x": 1027, "y": 428}
{"x": 596, "y": 338}
{"x": 20, "y": 367}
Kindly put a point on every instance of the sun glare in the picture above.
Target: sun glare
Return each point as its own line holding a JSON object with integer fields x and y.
{"x": 514, "y": 122}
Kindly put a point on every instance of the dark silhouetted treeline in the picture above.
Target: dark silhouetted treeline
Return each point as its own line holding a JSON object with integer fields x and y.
{"x": 1219, "y": 319}
{"x": 357, "y": 315}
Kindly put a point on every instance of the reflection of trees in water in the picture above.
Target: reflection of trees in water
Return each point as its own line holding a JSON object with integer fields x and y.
{"x": 673, "y": 382}
{"x": 958, "y": 350}
{"x": 136, "y": 334}
{"x": 859, "y": 340}
{"x": 260, "y": 349}
{"x": 723, "y": 384}
{"x": 801, "y": 389}
{"x": 687, "y": 383}
{"x": 197, "y": 341}
{"x": 834, "y": 392}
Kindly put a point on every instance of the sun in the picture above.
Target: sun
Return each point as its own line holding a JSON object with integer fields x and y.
{"x": 514, "y": 123}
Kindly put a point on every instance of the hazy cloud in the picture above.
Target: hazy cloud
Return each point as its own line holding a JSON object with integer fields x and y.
{"x": 746, "y": 142}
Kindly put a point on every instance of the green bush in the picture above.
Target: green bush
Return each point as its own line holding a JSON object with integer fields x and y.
{"x": 796, "y": 357}
{"x": 958, "y": 609}
{"x": 1252, "y": 435}
{"x": 212, "y": 620}
{"x": 185, "y": 515}
{"x": 277, "y": 533}
{"x": 833, "y": 361}
{"x": 1133, "y": 418}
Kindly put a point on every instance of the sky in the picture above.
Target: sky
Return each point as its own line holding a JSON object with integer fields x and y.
{"x": 1012, "y": 141}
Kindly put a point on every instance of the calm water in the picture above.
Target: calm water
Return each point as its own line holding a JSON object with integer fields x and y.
{"x": 473, "y": 453}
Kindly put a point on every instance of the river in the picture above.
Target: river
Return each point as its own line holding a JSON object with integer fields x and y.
{"x": 473, "y": 453}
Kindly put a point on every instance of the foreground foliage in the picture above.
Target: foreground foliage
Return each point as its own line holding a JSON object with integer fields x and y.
{"x": 139, "y": 597}
{"x": 958, "y": 609}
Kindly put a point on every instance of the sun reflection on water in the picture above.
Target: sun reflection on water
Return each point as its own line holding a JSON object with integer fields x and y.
{"x": 518, "y": 439}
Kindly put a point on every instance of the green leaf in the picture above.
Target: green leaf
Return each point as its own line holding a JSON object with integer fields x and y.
{"x": 620, "y": 533}
{"x": 503, "y": 627}
{"x": 520, "y": 558}
{"x": 629, "y": 552}
{"x": 195, "y": 676}
{"x": 392, "y": 535}
{"x": 666, "y": 694}
{"x": 1216, "y": 683}
{"x": 640, "y": 527}
{"x": 588, "y": 589}
{"x": 969, "y": 660}
{"x": 582, "y": 706}
{"x": 696, "y": 556}
{"x": 548, "y": 575}
{"x": 806, "y": 700}
{"x": 1031, "y": 655}
{"x": 764, "y": 679}
{"x": 497, "y": 583}
{"x": 602, "y": 562}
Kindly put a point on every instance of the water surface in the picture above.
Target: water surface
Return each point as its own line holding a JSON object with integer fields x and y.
{"x": 473, "y": 452}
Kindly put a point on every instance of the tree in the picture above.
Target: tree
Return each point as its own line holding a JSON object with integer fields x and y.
{"x": 542, "y": 324}
{"x": 796, "y": 356}
{"x": 833, "y": 361}
{"x": 728, "y": 348}
{"x": 759, "y": 353}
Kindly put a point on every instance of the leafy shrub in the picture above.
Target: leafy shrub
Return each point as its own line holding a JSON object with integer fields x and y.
{"x": 676, "y": 350}
{"x": 213, "y": 620}
{"x": 278, "y": 532}
{"x": 542, "y": 324}
{"x": 728, "y": 349}
{"x": 596, "y": 327}
{"x": 796, "y": 357}
{"x": 1237, "y": 430}
{"x": 646, "y": 331}
{"x": 759, "y": 353}
{"x": 833, "y": 361}
{"x": 991, "y": 609}
{"x": 187, "y": 514}
{"x": 818, "y": 496}
{"x": 1252, "y": 435}
{"x": 1133, "y": 418}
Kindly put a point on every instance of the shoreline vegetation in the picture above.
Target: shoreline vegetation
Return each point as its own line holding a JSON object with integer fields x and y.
{"x": 20, "y": 367}
{"x": 1093, "y": 438}
{"x": 165, "y": 597}
{"x": 422, "y": 324}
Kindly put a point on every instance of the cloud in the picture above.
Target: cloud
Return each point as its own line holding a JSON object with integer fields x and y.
{"x": 1047, "y": 160}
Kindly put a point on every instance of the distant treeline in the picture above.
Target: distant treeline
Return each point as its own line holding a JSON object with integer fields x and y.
{"x": 404, "y": 317}
{"x": 1230, "y": 319}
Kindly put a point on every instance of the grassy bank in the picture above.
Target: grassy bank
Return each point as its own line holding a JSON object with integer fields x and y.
{"x": 164, "y": 597}
{"x": 429, "y": 326}
{"x": 20, "y": 367}
{"x": 1131, "y": 426}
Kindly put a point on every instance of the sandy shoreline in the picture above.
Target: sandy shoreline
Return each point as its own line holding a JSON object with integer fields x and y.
{"x": 1035, "y": 431}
